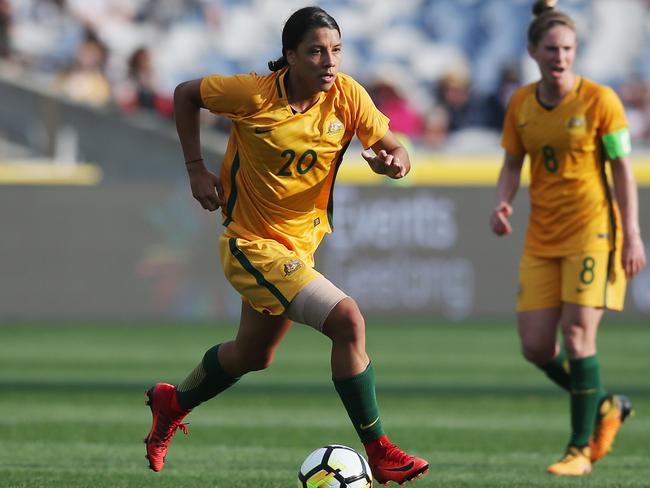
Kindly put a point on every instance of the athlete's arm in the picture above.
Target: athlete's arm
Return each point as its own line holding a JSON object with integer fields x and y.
{"x": 507, "y": 187}
{"x": 390, "y": 159}
{"x": 633, "y": 253}
{"x": 206, "y": 186}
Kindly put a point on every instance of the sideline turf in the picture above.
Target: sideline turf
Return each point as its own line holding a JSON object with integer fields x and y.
{"x": 72, "y": 411}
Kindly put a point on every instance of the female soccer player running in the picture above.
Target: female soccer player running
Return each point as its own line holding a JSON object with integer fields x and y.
{"x": 290, "y": 130}
{"x": 579, "y": 249}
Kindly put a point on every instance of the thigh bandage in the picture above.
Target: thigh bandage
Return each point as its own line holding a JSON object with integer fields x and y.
{"x": 314, "y": 303}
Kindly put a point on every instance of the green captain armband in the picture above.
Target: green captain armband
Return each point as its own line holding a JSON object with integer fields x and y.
{"x": 618, "y": 144}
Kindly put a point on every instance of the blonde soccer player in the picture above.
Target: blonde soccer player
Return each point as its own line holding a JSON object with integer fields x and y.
{"x": 583, "y": 240}
{"x": 290, "y": 130}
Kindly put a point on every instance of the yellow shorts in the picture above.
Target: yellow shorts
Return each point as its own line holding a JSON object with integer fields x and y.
{"x": 265, "y": 273}
{"x": 582, "y": 279}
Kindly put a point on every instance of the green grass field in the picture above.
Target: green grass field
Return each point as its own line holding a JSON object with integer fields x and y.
{"x": 72, "y": 411}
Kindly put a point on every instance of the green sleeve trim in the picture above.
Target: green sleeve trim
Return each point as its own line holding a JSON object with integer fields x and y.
{"x": 618, "y": 144}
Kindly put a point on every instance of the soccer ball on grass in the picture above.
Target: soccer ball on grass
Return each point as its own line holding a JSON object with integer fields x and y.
{"x": 335, "y": 466}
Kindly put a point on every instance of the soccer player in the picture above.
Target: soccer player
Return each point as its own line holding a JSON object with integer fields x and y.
{"x": 579, "y": 248}
{"x": 290, "y": 129}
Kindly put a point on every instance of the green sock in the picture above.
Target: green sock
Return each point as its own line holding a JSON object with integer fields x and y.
{"x": 585, "y": 396}
{"x": 206, "y": 381}
{"x": 360, "y": 401}
{"x": 557, "y": 369}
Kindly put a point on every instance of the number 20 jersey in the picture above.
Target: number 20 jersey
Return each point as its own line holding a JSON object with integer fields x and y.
{"x": 571, "y": 206}
{"x": 279, "y": 167}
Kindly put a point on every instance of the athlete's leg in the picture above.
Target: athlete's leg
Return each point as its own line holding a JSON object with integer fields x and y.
{"x": 579, "y": 327}
{"x": 538, "y": 336}
{"x": 354, "y": 379}
{"x": 352, "y": 373}
{"x": 346, "y": 328}
{"x": 538, "y": 306}
{"x": 253, "y": 348}
{"x": 257, "y": 339}
{"x": 324, "y": 307}
{"x": 221, "y": 366}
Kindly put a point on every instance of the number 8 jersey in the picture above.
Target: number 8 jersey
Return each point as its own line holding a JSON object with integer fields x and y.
{"x": 572, "y": 209}
{"x": 279, "y": 168}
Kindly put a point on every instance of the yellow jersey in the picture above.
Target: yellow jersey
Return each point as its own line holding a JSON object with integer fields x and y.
{"x": 279, "y": 168}
{"x": 572, "y": 209}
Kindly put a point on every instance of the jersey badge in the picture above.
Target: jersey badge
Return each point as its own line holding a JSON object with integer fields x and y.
{"x": 291, "y": 267}
{"x": 335, "y": 127}
{"x": 576, "y": 122}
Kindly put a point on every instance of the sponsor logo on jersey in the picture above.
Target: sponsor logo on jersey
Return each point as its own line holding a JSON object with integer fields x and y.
{"x": 292, "y": 266}
{"x": 334, "y": 127}
{"x": 603, "y": 235}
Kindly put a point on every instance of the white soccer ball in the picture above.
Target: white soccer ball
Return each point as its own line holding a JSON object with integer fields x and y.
{"x": 335, "y": 466}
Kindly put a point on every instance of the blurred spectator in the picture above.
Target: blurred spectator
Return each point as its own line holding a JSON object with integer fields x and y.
{"x": 496, "y": 103}
{"x": 488, "y": 31}
{"x": 436, "y": 128}
{"x": 164, "y": 13}
{"x": 141, "y": 88}
{"x": 5, "y": 25}
{"x": 85, "y": 81}
{"x": 45, "y": 34}
{"x": 635, "y": 96}
{"x": 617, "y": 31}
{"x": 404, "y": 119}
{"x": 454, "y": 95}
{"x": 190, "y": 38}
{"x": 98, "y": 14}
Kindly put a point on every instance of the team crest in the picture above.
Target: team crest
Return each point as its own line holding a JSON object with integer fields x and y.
{"x": 334, "y": 127}
{"x": 576, "y": 122}
{"x": 292, "y": 266}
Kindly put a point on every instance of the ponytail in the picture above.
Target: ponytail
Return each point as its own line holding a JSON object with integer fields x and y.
{"x": 278, "y": 64}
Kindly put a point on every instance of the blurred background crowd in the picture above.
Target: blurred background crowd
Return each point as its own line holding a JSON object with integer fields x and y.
{"x": 442, "y": 70}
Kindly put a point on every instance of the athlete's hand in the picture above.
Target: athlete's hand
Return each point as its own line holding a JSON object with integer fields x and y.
{"x": 206, "y": 186}
{"x": 385, "y": 164}
{"x": 633, "y": 255}
{"x": 499, "y": 219}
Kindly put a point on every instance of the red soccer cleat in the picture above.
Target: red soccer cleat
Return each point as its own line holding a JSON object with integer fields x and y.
{"x": 389, "y": 463}
{"x": 167, "y": 418}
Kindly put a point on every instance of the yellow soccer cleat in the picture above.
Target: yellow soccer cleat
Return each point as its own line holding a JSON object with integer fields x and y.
{"x": 576, "y": 462}
{"x": 613, "y": 411}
